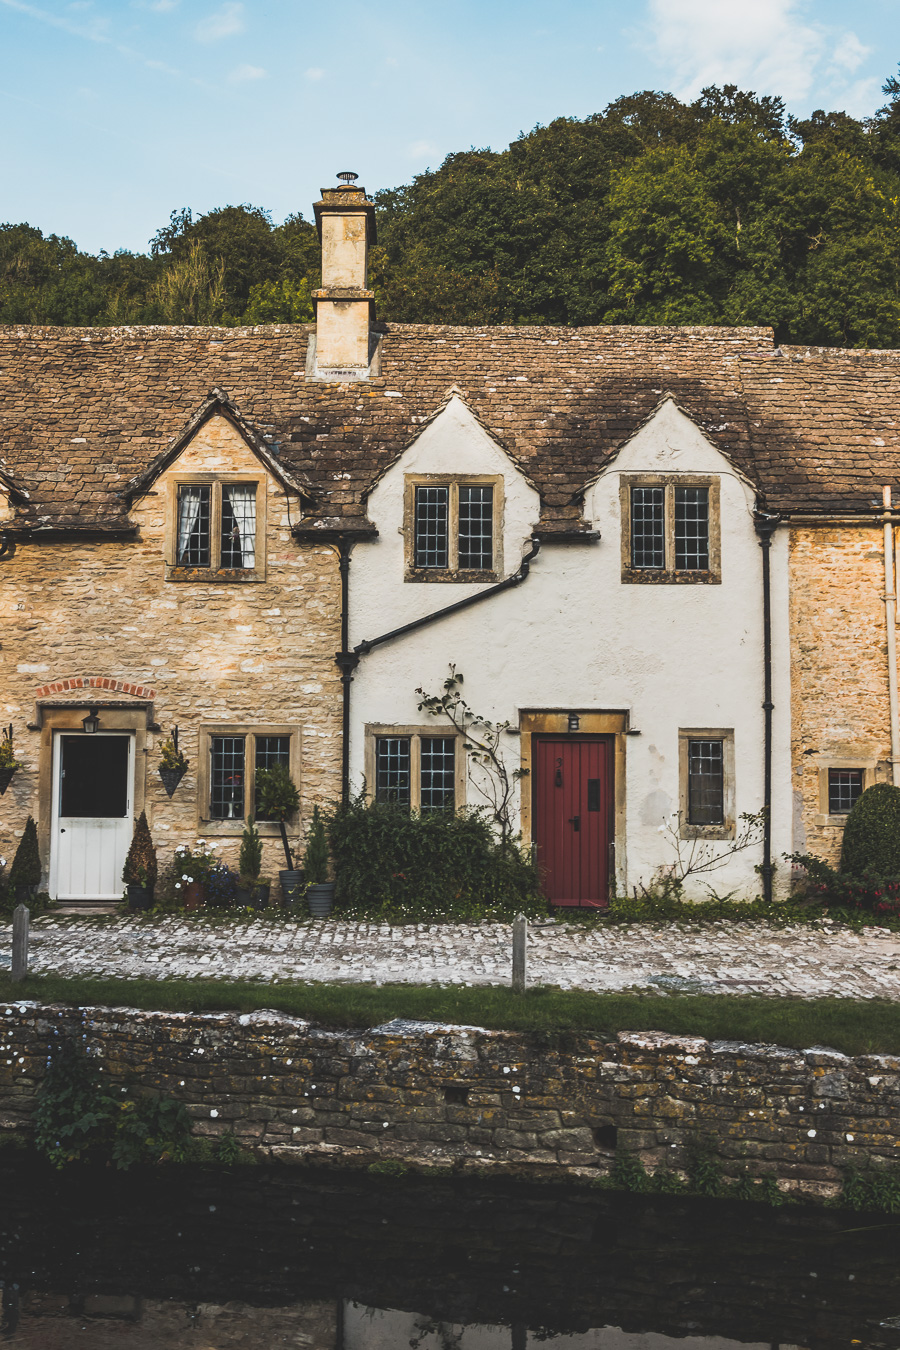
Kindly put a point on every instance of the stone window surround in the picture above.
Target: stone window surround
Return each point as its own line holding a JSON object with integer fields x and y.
{"x": 415, "y": 734}
{"x": 216, "y": 481}
{"x": 452, "y": 480}
{"x": 211, "y": 828}
{"x": 727, "y": 829}
{"x": 668, "y": 575}
{"x": 869, "y": 771}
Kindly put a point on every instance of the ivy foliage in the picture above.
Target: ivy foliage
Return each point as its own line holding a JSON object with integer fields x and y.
{"x": 401, "y": 866}
{"x": 725, "y": 210}
{"x": 80, "y": 1115}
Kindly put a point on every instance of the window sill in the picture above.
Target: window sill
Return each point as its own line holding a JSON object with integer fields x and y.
{"x": 445, "y": 575}
{"x": 725, "y": 831}
{"x": 658, "y": 576}
{"x": 832, "y": 822}
{"x": 215, "y": 829}
{"x": 208, "y": 576}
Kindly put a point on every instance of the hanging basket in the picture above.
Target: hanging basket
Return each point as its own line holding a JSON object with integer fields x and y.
{"x": 171, "y": 778}
{"x": 6, "y": 778}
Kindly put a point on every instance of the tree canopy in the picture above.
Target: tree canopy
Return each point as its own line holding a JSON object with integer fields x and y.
{"x": 726, "y": 210}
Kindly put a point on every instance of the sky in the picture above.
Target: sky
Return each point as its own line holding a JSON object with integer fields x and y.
{"x": 117, "y": 112}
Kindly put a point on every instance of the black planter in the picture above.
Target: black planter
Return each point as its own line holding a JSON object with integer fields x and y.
{"x": 6, "y": 776}
{"x": 291, "y": 887}
{"x": 243, "y": 897}
{"x": 261, "y": 895}
{"x": 171, "y": 778}
{"x": 139, "y": 897}
{"x": 24, "y": 893}
{"x": 320, "y": 899}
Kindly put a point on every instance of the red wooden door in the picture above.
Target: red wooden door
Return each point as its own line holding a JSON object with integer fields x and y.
{"x": 573, "y": 817}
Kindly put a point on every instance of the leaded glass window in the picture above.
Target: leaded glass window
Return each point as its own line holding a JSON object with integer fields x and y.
{"x": 648, "y": 527}
{"x": 392, "y": 769}
{"x": 193, "y": 526}
{"x": 845, "y": 787}
{"x": 226, "y": 778}
{"x": 270, "y": 750}
{"x": 476, "y": 527}
{"x": 691, "y": 529}
{"x": 431, "y": 527}
{"x": 706, "y": 782}
{"x": 238, "y": 526}
{"x": 438, "y": 773}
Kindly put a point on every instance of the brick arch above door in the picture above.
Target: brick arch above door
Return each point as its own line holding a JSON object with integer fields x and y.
{"x": 103, "y": 684}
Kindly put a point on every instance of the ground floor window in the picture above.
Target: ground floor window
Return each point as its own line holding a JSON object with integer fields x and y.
{"x": 845, "y": 787}
{"x": 230, "y": 757}
{"x": 414, "y": 768}
{"x": 707, "y": 782}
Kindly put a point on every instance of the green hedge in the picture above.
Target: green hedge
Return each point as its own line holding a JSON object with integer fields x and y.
{"x": 394, "y": 864}
{"x": 871, "y": 841}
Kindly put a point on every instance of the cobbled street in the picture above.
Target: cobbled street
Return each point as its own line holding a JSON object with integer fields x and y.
{"x": 723, "y": 958}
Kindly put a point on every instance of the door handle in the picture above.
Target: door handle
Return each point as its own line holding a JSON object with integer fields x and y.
{"x": 575, "y": 822}
{"x": 63, "y": 830}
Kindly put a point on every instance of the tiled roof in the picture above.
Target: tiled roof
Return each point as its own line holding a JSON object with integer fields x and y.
{"x": 84, "y": 411}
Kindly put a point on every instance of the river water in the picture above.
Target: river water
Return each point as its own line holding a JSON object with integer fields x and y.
{"x": 256, "y": 1258}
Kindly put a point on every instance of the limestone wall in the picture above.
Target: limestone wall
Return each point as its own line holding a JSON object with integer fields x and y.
{"x": 223, "y": 652}
{"x": 840, "y": 713}
{"x": 475, "y": 1099}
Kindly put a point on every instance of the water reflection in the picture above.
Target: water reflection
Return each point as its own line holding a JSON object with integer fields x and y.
{"x": 258, "y": 1258}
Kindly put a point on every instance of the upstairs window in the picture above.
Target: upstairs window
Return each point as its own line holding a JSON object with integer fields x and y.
{"x": 414, "y": 769}
{"x": 452, "y": 528}
{"x": 670, "y": 529}
{"x": 216, "y": 532}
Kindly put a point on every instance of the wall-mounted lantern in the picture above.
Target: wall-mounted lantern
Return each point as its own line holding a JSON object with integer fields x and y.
{"x": 91, "y": 723}
{"x": 574, "y": 721}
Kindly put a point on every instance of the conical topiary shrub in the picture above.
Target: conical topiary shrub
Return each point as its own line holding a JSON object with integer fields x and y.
{"x": 872, "y": 833}
{"x": 140, "y": 864}
{"x": 26, "y": 867}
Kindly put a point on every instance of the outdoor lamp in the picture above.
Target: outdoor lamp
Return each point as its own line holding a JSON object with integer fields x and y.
{"x": 574, "y": 721}
{"x": 91, "y": 723}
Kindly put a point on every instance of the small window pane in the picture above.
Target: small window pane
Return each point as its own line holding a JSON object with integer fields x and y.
{"x": 193, "y": 526}
{"x": 438, "y": 773}
{"x": 844, "y": 789}
{"x": 706, "y": 783}
{"x": 432, "y": 514}
{"x": 270, "y": 750}
{"x": 692, "y": 529}
{"x": 392, "y": 769}
{"x": 476, "y": 532}
{"x": 227, "y": 778}
{"x": 648, "y": 540}
{"x": 239, "y": 525}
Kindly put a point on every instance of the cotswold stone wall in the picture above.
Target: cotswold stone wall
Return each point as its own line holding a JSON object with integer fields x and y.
{"x": 474, "y": 1099}
{"x": 247, "y": 653}
{"x": 840, "y": 714}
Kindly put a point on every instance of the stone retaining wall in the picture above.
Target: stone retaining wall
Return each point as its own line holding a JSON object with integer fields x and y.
{"x": 471, "y": 1099}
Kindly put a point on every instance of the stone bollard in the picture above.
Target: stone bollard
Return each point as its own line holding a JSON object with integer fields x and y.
{"x": 520, "y": 936}
{"x": 20, "y": 943}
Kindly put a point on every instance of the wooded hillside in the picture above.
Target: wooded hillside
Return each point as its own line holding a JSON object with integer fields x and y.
{"x": 723, "y": 211}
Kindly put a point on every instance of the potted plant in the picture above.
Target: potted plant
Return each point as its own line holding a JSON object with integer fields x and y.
{"x": 319, "y": 890}
{"x": 278, "y": 800}
{"x": 221, "y": 887}
{"x": 172, "y": 763}
{"x": 8, "y": 761}
{"x": 252, "y": 889}
{"x": 25, "y": 873}
{"x": 195, "y": 864}
{"x": 139, "y": 872}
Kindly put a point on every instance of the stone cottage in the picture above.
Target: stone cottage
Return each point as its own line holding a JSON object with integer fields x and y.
{"x": 656, "y": 555}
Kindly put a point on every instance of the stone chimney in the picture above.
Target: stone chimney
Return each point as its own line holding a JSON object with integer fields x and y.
{"x": 345, "y": 310}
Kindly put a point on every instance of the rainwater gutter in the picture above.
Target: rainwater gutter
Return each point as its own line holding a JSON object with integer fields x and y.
{"x": 348, "y": 660}
{"x": 890, "y": 619}
{"x": 765, "y": 527}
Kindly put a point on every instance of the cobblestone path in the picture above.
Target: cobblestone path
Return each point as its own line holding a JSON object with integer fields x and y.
{"x": 720, "y": 958}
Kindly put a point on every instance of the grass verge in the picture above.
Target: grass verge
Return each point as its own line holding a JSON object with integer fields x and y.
{"x": 855, "y": 1027}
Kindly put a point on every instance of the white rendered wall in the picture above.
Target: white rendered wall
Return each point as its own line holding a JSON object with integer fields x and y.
{"x": 574, "y": 636}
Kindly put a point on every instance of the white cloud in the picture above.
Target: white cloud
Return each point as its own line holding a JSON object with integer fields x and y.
{"x": 422, "y": 150}
{"x": 757, "y": 44}
{"x": 226, "y": 22}
{"x": 314, "y": 73}
{"x": 241, "y": 73}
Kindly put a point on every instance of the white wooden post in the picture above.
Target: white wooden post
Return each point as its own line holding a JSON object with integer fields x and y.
{"x": 520, "y": 936}
{"x": 20, "y": 943}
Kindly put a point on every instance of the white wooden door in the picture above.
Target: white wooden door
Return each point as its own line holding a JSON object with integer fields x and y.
{"x": 93, "y": 792}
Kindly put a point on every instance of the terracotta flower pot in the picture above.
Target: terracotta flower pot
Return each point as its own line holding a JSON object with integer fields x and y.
{"x": 194, "y": 895}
